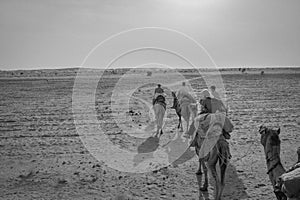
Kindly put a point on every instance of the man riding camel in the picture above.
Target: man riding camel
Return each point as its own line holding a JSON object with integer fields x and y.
{"x": 158, "y": 90}
{"x": 159, "y": 96}
{"x": 159, "y": 107}
{"x": 185, "y": 99}
{"x": 183, "y": 94}
{"x": 212, "y": 105}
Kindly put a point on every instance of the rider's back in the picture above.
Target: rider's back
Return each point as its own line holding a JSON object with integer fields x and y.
{"x": 159, "y": 90}
{"x": 183, "y": 95}
{"x": 211, "y": 105}
{"x": 159, "y": 97}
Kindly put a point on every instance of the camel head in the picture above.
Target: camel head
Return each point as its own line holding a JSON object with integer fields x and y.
{"x": 271, "y": 142}
{"x": 269, "y": 137}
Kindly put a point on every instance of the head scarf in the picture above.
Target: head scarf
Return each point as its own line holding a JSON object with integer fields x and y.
{"x": 204, "y": 94}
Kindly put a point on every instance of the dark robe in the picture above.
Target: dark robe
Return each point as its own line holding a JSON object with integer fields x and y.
{"x": 211, "y": 105}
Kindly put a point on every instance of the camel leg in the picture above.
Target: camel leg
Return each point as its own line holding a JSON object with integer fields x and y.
{"x": 161, "y": 132}
{"x": 187, "y": 125}
{"x": 157, "y": 132}
{"x": 217, "y": 181}
{"x": 180, "y": 121}
{"x": 223, "y": 167}
{"x": 185, "y": 115}
{"x": 157, "y": 129}
{"x": 188, "y": 119}
{"x": 159, "y": 115}
{"x": 212, "y": 162}
{"x": 205, "y": 185}
{"x": 199, "y": 172}
{"x": 179, "y": 124}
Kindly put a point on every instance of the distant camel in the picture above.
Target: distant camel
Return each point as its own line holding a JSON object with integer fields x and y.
{"x": 185, "y": 109}
{"x": 177, "y": 108}
{"x": 271, "y": 143}
{"x": 159, "y": 108}
{"x": 219, "y": 149}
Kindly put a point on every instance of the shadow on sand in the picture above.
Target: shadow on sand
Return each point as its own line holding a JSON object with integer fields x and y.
{"x": 149, "y": 145}
{"x": 234, "y": 186}
{"x": 146, "y": 149}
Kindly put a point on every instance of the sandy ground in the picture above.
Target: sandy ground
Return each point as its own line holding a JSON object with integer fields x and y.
{"x": 42, "y": 156}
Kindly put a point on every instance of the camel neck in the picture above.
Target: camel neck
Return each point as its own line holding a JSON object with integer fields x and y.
{"x": 275, "y": 168}
{"x": 274, "y": 162}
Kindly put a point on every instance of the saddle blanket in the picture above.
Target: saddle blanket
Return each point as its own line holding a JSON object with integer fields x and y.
{"x": 291, "y": 183}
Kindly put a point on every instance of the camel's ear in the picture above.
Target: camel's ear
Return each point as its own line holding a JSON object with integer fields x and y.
{"x": 260, "y": 128}
{"x": 278, "y": 131}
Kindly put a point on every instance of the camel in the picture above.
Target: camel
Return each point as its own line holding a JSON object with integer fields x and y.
{"x": 177, "y": 108}
{"x": 159, "y": 108}
{"x": 219, "y": 148}
{"x": 186, "y": 110}
{"x": 271, "y": 143}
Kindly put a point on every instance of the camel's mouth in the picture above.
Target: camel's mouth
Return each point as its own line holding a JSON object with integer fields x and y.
{"x": 262, "y": 129}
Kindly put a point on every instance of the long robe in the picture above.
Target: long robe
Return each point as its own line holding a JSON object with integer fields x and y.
{"x": 209, "y": 127}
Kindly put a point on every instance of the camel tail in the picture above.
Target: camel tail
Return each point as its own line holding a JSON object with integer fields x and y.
{"x": 224, "y": 154}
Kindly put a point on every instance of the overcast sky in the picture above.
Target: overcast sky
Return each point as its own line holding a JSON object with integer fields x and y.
{"x": 54, "y": 34}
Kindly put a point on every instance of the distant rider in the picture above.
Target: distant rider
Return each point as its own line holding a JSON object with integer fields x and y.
{"x": 183, "y": 95}
{"x": 159, "y": 96}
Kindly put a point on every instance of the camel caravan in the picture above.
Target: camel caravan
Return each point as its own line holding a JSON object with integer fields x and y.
{"x": 208, "y": 130}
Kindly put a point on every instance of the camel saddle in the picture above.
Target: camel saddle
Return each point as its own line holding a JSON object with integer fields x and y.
{"x": 204, "y": 121}
{"x": 160, "y": 99}
{"x": 290, "y": 182}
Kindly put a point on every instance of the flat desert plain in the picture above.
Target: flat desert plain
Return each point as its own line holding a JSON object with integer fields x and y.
{"x": 42, "y": 155}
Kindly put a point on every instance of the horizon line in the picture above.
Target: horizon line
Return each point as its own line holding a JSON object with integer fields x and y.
{"x": 154, "y": 67}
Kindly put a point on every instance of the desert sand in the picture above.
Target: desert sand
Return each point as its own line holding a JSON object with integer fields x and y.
{"x": 43, "y": 157}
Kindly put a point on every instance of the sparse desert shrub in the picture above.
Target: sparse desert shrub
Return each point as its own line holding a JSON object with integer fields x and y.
{"x": 149, "y": 73}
